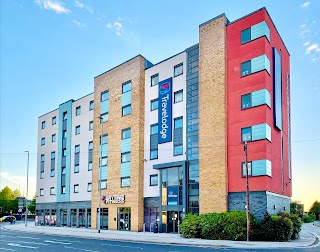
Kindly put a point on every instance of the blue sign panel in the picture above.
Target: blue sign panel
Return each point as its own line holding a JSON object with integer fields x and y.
{"x": 165, "y": 111}
{"x": 277, "y": 87}
{"x": 172, "y": 196}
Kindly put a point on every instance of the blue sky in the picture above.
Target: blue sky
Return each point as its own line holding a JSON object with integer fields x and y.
{"x": 52, "y": 49}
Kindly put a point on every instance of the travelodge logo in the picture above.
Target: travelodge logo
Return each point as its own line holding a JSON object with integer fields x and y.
{"x": 164, "y": 88}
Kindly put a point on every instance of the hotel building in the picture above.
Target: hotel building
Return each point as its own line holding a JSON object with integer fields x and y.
{"x": 168, "y": 138}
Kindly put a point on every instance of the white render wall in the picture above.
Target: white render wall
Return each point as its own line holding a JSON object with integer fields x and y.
{"x": 46, "y": 149}
{"x": 165, "y": 151}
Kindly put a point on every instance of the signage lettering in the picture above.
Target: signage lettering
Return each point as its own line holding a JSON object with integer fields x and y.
{"x": 114, "y": 199}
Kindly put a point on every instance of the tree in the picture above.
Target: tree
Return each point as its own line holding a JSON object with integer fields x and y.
{"x": 8, "y": 201}
{"x": 297, "y": 208}
{"x": 17, "y": 193}
{"x": 315, "y": 209}
{"x": 32, "y": 205}
{"x": 7, "y": 194}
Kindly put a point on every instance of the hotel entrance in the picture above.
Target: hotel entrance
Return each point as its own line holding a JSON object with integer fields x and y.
{"x": 170, "y": 221}
{"x": 124, "y": 218}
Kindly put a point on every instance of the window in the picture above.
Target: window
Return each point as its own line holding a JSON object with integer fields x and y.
{"x": 246, "y": 101}
{"x": 126, "y": 133}
{"x": 125, "y": 157}
{"x": 43, "y": 141}
{"x": 246, "y": 68}
{"x": 54, "y": 120}
{"x": 76, "y": 168}
{"x": 104, "y": 161}
{"x": 244, "y": 169}
{"x": 154, "y": 129}
{"x": 90, "y": 166}
{"x": 178, "y": 122}
{"x": 91, "y": 125}
{"x": 104, "y": 139}
{"x": 154, "y": 80}
{"x": 91, "y": 105}
{"x": 63, "y": 189}
{"x": 178, "y": 96}
{"x": 42, "y": 174}
{"x": 52, "y": 191}
{"x": 153, "y": 154}
{"x": 65, "y": 115}
{"x": 63, "y": 170}
{"x": 154, "y": 104}
{"x": 104, "y": 96}
{"x": 125, "y": 182}
{"x": 89, "y": 188}
{"x": 154, "y": 180}
{"x": 52, "y": 173}
{"x": 77, "y": 149}
{"x": 42, "y": 167}
{"x": 78, "y": 130}
{"x": 126, "y": 87}
{"x": 43, "y": 125}
{"x": 126, "y": 110}
{"x": 246, "y": 35}
{"x": 177, "y": 150}
{"x": 178, "y": 70}
{"x": 246, "y": 134}
{"x": 41, "y": 191}
{"x": 105, "y": 117}
{"x": 53, "y": 159}
{"x": 103, "y": 184}
{"x": 78, "y": 110}
{"x": 64, "y": 134}
{"x": 64, "y": 152}
{"x": 76, "y": 188}
{"x": 53, "y": 138}
{"x": 90, "y": 145}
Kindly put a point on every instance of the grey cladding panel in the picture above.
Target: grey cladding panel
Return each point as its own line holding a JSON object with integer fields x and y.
{"x": 154, "y": 142}
{"x": 177, "y": 136}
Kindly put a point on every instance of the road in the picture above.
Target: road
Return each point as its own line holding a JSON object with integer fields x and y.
{"x": 18, "y": 241}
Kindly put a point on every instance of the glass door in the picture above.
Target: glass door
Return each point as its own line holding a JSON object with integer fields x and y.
{"x": 124, "y": 219}
{"x": 172, "y": 219}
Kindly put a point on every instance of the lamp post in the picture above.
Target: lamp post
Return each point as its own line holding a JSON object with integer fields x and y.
{"x": 99, "y": 180}
{"x": 247, "y": 191}
{"x": 26, "y": 215}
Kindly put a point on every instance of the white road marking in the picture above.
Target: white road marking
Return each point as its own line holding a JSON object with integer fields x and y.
{"x": 78, "y": 249}
{"x": 25, "y": 237}
{"x": 20, "y": 246}
{"x": 36, "y": 243}
{"x": 122, "y": 246}
{"x": 65, "y": 243}
{"x": 7, "y": 249}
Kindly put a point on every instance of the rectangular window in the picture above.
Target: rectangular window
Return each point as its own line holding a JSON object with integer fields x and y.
{"x": 90, "y": 166}
{"x": 91, "y": 105}
{"x": 104, "y": 139}
{"x": 246, "y": 101}
{"x": 41, "y": 191}
{"x": 78, "y": 110}
{"x": 178, "y": 96}
{"x": 246, "y": 134}
{"x": 177, "y": 150}
{"x": 104, "y": 117}
{"x": 52, "y": 173}
{"x": 90, "y": 145}
{"x": 54, "y": 120}
{"x": 154, "y": 104}
{"x": 246, "y": 68}
{"x": 126, "y": 110}
{"x": 126, "y": 87}
{"x": 153, "y": 154}
{"x": 154, "y": 180}
{"x": 154, "y": 80}
{"x": 65, "y": 115}
{"x": 154, "y": 129}
{"x": 244, "y": 169}
{"x": 76, "y": 168}
{"x": 89, "y": 188}
{"x": 78, "y": 130}
{"x": 63, "y": 170}
{"x": 91, "y": 125}
{"x": 126, "y": 133}
{"x": 246, "y": 35}
{"x": 53, "y": 160}
{"x": 43, "y": 141}
{"x": 42, "y": 167}
{"x": 104, "y": 161}
{"x": 42, "y": 174}
{"x": 43, "y": 125}
{"x": 178, "y": 70}
{"x": 52, "y": 191}
{"x": 125, "y": 182}
{"x": 76, "y": 188}
{"x": 77, "y": 149}
{"x": 125, "y": 157}
{"x": 178, "y": 122}
{"x": 53, "y": 138}
{"x": 64, "y": 134}
{"x": 64, "y": 152}
{"x": 104, "y": 96}
{"x": 103, "y": 184}
{"x": 63, "y": 189}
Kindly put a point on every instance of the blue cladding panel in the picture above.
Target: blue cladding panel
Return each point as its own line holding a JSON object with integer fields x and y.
{"x": 104, "y": 150}
{"x": 260, "y": 97}
{"x": 261, "y": 167}
{"x": 126, "y": 98}
{"x": 260, "y": 63}
{"x": 104, "y": 172}
{"x": 261, "y": 131}
{"x": 125, "y": 170}
{"x": 259, "y": 30}
{"x": 277, "y": 81}
{"x": 104, "y": 107}
{"x": 125, "y": 145}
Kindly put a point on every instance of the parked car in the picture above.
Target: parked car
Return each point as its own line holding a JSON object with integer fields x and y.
{"x": 8, "y": 219}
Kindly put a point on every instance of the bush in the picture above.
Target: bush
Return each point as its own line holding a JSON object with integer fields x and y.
{"x": 190, "y": 226}
{"x": 307, "y": 218}
{"x": 211, "y": 226}
{"x": 296, "y": 221}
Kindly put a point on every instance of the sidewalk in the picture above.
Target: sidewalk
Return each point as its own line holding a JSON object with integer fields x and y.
{"x": 309, "y": 236}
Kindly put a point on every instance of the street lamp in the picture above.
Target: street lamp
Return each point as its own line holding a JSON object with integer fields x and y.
{"x": 26, "y": 215}
{"x": 99, "y": 180}
{"x": 247, "y": 191}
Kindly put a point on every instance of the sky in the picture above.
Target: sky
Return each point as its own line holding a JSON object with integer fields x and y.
{"x": 51, "y": 50}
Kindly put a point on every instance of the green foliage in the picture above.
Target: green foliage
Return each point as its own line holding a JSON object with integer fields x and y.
{"x": 190, "y": 227}
{"x": 307, "y": 218}
{"x": 8, "y": 201}
{"x": 315, "y": 209}
{"x": 32, "y": 205}
{"x": 7, "y": 194}
{"x": 16, "y": 193}
{"x": 296, "y": 221}
{"x": 297, "y": 208}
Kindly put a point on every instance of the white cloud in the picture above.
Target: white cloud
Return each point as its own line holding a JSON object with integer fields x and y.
{"x": 78, "y": 4}
{"x": 305, "y": 5}
{"x": 79, "y": 24}
{"x": 313, "y": 47}
{"x": 89, "y": 9}
{"x": 54, "y": 5}
{"x": 109, "y": 25}
{"x": 307, "y": 43}
{"x": 117, "y": 26}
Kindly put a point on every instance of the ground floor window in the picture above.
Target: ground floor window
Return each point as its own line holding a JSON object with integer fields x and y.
{"x": 151, "y": 217}
{"x": 104, "y": 218}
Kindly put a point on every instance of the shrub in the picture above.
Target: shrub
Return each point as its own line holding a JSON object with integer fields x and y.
{"x": 296, "y": 221}
{"x": 211, "y": 226}
{"x": 190, "y": 226}
{"x": 307, "y": 218}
